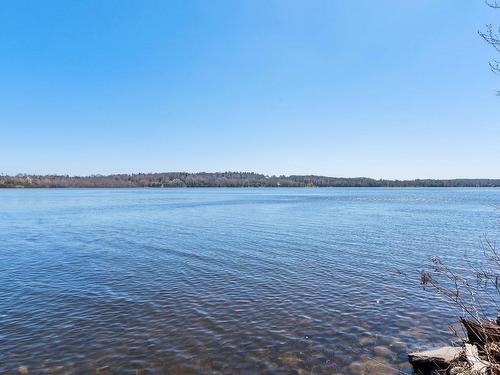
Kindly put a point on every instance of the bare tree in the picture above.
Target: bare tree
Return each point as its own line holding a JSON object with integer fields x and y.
{"x": 492, "y": 36}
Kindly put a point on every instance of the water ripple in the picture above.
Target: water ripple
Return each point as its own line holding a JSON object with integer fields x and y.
{"x": 228, "y": 280}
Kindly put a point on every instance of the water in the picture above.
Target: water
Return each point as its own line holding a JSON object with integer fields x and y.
{"x": 158, "y": 281}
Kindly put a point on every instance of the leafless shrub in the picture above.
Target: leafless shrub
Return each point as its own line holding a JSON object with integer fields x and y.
{"x": 475, "y": 292}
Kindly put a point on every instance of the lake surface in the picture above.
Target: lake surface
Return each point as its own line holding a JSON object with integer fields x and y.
{"x": 165, "y": 281}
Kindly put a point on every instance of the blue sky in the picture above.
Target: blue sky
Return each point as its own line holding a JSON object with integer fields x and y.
{"x": 384, "y": 89}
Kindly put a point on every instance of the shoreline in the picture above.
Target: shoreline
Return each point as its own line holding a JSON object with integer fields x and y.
{"x": 246, "y": 187}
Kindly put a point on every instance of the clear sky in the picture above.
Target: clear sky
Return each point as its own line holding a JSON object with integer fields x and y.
{"x": 386, "y": 88}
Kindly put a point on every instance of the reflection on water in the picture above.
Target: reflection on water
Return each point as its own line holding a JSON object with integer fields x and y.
{"x": 227, "y": 280}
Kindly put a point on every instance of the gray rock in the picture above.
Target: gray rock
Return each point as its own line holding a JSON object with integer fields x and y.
{"x": 446, "y": 355}
{"x": 430, "y": 361}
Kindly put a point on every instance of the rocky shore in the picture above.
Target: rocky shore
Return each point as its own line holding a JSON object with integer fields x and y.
{"x": 479, "y": 353}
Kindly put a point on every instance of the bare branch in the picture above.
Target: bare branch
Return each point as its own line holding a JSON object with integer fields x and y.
{"x": 493, "y": 3}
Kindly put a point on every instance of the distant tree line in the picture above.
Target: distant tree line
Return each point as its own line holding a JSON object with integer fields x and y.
{"x": 222, "y": 179}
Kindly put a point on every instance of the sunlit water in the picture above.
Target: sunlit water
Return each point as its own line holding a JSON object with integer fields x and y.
{"x": 160, "y": 281}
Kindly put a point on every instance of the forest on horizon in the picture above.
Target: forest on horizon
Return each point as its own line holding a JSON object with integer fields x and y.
{"x": 223, "y": 179}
